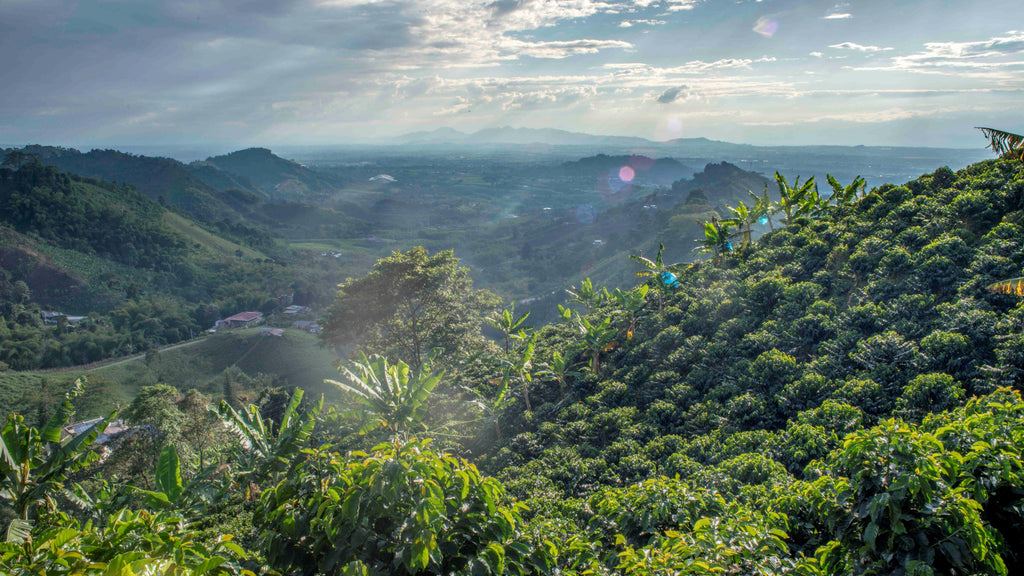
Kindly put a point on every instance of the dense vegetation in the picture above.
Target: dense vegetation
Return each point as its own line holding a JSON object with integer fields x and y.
{"x": 121, "y": 261}
{"x": 117, "y": 222}
{"x": 839, "y": 396}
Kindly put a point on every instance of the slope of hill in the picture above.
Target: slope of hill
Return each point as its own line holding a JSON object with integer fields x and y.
{"x": 131, "y": 273}
{"x": 116, "y": 222}
{"x": 277, "y": 178}
{"x": 641, "y": 169}
{"x": 161, "y": 179}
{"x": 744, "y": 378}
{"x": 222, "y": 179}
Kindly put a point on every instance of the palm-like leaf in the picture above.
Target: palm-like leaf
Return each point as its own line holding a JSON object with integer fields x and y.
{"x": 19, "y": 531}
{"x": 261, "y": 452}
{"x": 1004, "y": 143}
{"x": 173, "y": 493}
{"x": 745, "y": 216}
{"x": 716, "y": 240}
{"x": 508, "y": 323}
{"x": 392, "y": 395}
{"x": 845, "y": 195}
{"x": 763, "y": 207}
{"x": 1013, "y": 286}
{"x": 650, "y": 268}
{"x": 595, "y": 338}
{"x": 168, "y": 473}
{"x": 793, "y": 199}
{"x": 586, "y": 295}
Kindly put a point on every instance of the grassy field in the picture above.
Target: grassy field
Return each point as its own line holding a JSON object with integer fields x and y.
{"x": 295, "y": 359}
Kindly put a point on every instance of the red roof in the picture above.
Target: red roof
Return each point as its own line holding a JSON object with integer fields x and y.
{"x": 244, "y": 317}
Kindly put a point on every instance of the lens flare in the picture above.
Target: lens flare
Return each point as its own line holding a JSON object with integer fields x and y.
{"x": 626, "y": 174}
{"x": 674, "y": 126}
{"x": 766, "y": 27}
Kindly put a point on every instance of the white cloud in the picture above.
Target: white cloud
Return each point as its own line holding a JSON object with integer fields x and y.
{"x": 560, "y": 48}
{"x": 947, "y": 51}
{"x": 817, "y": 54}
{"x": 838, "y": 16}
{"x": 646, "y": 21}
{"x": 997, "y": 58}
{"x": 680, "y": 5}
{"x": 859, "y": 47}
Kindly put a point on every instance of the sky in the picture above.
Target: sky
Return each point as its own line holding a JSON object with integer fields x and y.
{"x": 323, "y": 72}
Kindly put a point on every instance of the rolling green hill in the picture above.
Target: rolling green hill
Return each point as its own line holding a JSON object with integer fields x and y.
{"x": 277, "y": 178}
{"x": 132, "y": 273}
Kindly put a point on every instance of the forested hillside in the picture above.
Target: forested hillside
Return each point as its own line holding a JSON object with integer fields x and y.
{"x": 840, "y": 396}
{"x": 136, "y": 275}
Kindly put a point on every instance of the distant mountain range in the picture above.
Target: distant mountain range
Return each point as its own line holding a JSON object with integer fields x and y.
{"x": 680, "y": 146}
{"x": 509, "y": 135}
{"x": 879, "y": 164}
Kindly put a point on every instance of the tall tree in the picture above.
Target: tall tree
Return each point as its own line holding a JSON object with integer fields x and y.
{"x": 410, "y": 304}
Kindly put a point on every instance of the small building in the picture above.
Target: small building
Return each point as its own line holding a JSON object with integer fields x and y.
{"x": 113, "y": 428}
{"x": 241, "y": 320}
{"x": 295, "y": 310}
{"x": 52, "y": 317}
{"x": 268, "y": 331}
{"x": 308, "y": 326}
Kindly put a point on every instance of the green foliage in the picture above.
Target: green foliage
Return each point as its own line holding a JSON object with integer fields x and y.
{"x": 117, "y": 222}
{"x": 189, "y": 497}
{"x": 903, "y": 503}
{"x": 393, "y": 396}
{"x": 401, "y": 509}
{"x": 741, "y": 541}
{"x": 806, "y": 395}
{"x": 264, "y": 449}
{"x": 35, "y": 463}
{"x": 410, "y": 304}
{"x": 128, "y": 544}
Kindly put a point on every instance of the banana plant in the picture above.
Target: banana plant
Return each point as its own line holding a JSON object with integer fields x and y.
{"x": 628, "y": 304}
{"x": 517, "y": 370}
{"x": 509, "y": 324}
{"x": 843, "y": 196}
{"x": 35, "y": 465}
{"x": 792, "y": 198}
{"x": 492, "y": 407}
{"x": 656, "y": 274}
{"x": 172, "y": 493}
{"x": 716, "y": 238}
{"x": 1005, "y": 144}
{"x": 814, "y": 205}
{"x": 1013, "y": 286}
{"x": 587, "y": 296}
{"x": 764, "y": 207}
{"x": 744, "y": 218}
{"x": 393, "y": 396}
{"x": 557, "y": 370}
{"x": 595, "y": 338}
{"x": 261, "y": 451}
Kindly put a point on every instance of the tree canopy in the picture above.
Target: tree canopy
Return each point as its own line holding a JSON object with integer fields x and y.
{"x": 409, "y": 305}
